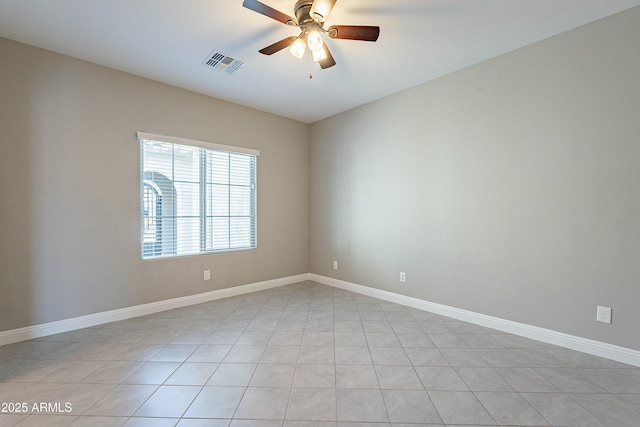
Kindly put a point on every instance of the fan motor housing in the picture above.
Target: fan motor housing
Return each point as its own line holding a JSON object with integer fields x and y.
{"x": 302, "y": 11}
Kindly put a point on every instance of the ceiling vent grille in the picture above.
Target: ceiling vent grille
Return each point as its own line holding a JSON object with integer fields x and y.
{"x": 222, "y": 62}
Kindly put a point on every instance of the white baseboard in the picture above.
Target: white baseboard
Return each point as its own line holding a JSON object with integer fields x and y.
{"x": 45, "y": 329}
{"x": 596, "y": 348}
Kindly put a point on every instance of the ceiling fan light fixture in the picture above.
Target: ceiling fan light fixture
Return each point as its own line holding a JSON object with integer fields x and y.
{"x": 309, "y": 19}
{"x": 318, "y": 55}
{"x": 314, "y": 40}
{"x": 297, "y": 48}
{"x": 321, "y": 8}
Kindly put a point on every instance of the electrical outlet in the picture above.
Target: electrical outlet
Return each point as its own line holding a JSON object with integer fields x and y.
{"x": 335, "y": 265}
{"x": 603, "y": 314}
{"x": 403, "y": 277}
{"x": 207, "y": 275}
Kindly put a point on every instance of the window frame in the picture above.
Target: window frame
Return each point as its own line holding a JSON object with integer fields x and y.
{"x": 203, "y": 238}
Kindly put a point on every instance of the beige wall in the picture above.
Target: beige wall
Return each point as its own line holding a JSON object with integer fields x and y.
{"x": 69, "y": 189}
{"x": 511, "y": 188}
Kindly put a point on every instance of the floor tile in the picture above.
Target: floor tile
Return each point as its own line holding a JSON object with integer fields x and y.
{"x": 39, "y": 392}
{"x": 113, "y": 372}
{"x": 263, "y": 403}
{"x": 526, "y": 380}
{"x": 38, "y": 350}
{"x": 441, "y": 378}
{"x": 223, "y": 337}
{"x": 244, "y": 354}
{"x": 106, "y": 351}
{"x": 286, "y": 338}
{"x": 192, "y": 374}
{"x": 83, "y": 396}
{"x": 174, "y": 353}
{"x": 410, "y": 406}
{"x": 356, "y": 376}
{"x": 254, "y": 423}
{"x": 464, "y": 328}
{"x": 150, "y": 422}
{"x": 139, "y": 352}
{"x": 315, "y": 376}
{"x": 317, "y": 338}
{"x": 389, "y": 356}
{"x": 280, "y": 354}
{"x": 352, "y": 356}
{"x": 615, "y": 380}
{"x": 273, "y": 375}
{"x": 373, "y": 326}
{"x": 311, "y": 404}
{"x": 480, "y": 341}
{"x": 122, "y": 401}
{"x": 463, "y": 357}
{"x": 31, "y": 370}
{"x": 317, "y": 355}
{"x": 350, "y": 339}
{"x": 73, "y": 372}
{"x": 510, "y": 409}
{"x": 347, "y": 326}
{"x": 209, "y": 353}
{"x": 456, "y": 407}
{"x": 205, "y": 422}
{"x": 483, "y": 379}
{"x": 91, "y": 421}
{"x": 310, "y": 424}
{"x": 398, "y": 378}
{"x": 559, "y": 409}
{"x": 448, "y": 341}
{"x": 435, "y": 327}
{"x": 570, "y": 380}
{"x": 226, "y": 402}
{"x": 152, "y": 373}
{"x": 248, "y": 337}
{"x": 382, "y": 339}
{"x": 426, "y": 357}
{"x": 168, "y": 401}
{"x": 8, "y": 389}
{"x": 47, "y": 421}
{"x": 192, "y": 336}
{"x": 309, "y": 355}
{"x": 576, "y": 359}
{"x": 613, "y": 410}
{"x": 360, "y": 405}
{"x": 232, "y": 374}
{"x": 408, "y": 340}
{"x": 406, "y": 327}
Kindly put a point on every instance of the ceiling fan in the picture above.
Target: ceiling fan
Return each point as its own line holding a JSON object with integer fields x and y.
{"x": 309, "y": 18}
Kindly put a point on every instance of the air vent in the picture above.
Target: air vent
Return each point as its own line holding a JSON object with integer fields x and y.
{"x": 222, "y": 62}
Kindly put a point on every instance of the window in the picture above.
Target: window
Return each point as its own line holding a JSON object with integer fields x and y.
{"x": 195, "y": 197}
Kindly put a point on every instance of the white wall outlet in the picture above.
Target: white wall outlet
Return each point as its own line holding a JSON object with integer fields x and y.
{"x": 207, "y": 275}
{"x": 603, "y": 314}
{"x": 403, "y": 277}
{"x": 335, "y": 265}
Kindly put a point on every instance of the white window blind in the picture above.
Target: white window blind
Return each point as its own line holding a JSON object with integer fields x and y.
{"x": 195, "y": 197}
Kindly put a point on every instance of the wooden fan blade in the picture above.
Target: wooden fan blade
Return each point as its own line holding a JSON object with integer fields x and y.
{"x": 322, "y": 8}
{"x": 354, "y": 32}
{"x": 328, "y": 62}
{"x": 278, "y": 46}
{"x": 268, "y": 11}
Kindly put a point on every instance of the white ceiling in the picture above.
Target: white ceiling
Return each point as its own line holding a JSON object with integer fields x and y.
{"x": 167, "y": 41}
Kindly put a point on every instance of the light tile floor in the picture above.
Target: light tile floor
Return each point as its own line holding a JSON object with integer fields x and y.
{"x": 312, "y": 356}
